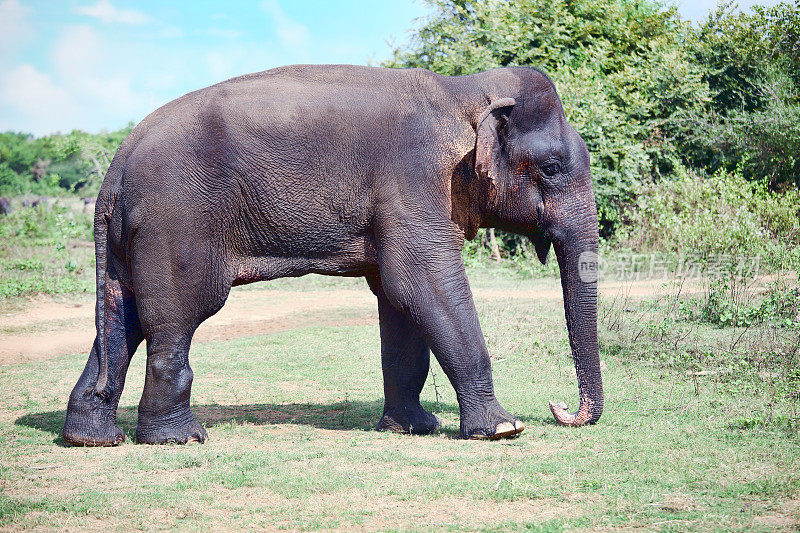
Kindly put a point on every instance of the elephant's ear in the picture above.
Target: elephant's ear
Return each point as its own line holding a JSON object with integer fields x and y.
{"x": 487, "y": 144}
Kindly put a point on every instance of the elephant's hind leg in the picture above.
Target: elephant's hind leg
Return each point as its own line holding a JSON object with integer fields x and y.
{"x": 173, "y": 302}
{"x": 164, "y": 412}
{"x": 405, "y": 358}
{"x": 91, "y": 414}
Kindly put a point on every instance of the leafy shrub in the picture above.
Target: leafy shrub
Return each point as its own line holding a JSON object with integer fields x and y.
{"x": 740, "y": 343}
{"x": 55, "y": 223}
{"x": 56, "y": 164}
{"x": 721, "y": 215}
{"x": 45, "y": 250}
{"x": 751, "y": 63}
{"x": 728, "y": 303}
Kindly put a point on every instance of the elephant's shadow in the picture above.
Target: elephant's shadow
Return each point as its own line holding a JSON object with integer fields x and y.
{"x": 343, "y": 415}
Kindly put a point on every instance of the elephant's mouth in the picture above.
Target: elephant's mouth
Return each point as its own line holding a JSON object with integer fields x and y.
{"x": 542, "y": 243}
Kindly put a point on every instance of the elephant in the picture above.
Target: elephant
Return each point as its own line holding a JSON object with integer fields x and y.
{"x": 346, "y": 171}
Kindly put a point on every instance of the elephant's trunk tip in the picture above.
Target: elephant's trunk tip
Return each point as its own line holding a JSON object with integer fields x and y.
{"x": 588, "y": 413}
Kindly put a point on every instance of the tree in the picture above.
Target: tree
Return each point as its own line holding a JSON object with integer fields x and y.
{"x": 751, "y": 63}
{"x": 622, "y": 73}
{"x": 58, "y": 163}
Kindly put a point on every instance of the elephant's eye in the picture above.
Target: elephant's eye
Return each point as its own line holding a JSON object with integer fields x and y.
{"x": 550, "y": 169}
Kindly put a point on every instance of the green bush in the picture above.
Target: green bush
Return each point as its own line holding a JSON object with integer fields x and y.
{"x": 729, "y": 303}
{"x": 56, "y": 164}
{"x": 45, "y": 250}
{"x": 720, "y": 215}
{"x": 47, "y": 224}
{"x": 751, "y": 64}
{"x": 726, "y": 335}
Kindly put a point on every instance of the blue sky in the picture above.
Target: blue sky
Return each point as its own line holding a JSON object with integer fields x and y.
{"x": 97, "y": 64}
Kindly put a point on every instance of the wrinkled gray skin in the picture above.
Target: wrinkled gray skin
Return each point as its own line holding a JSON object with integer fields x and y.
{"x": 346, "y": 171}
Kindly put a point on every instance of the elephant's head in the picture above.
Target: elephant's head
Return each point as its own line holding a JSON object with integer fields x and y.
{"x": 536, "y": 168}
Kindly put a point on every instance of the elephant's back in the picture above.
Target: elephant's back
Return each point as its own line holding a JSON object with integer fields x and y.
{"x": 285, "y": 150}
{"x": 286, "y": 111}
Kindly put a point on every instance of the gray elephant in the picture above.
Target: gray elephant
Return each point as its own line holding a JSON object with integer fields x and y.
{"x": 344, "y": 171}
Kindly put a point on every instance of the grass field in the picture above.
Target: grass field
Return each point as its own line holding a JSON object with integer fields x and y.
{"x": 290, "y": 414}
{"x": 46, "y": 249}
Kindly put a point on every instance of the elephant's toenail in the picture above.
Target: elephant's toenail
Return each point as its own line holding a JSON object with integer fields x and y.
{"x": 504, "y": 429}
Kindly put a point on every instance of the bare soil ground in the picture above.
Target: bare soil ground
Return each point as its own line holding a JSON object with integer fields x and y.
{"x": 46, "y": 329}
{"x": 43, "y": 328}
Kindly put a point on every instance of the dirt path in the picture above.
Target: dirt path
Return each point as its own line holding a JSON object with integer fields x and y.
{"x": 44, "y": 329}
{"x": 47, "y": 329}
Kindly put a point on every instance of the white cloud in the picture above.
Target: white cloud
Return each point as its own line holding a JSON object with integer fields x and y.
{"x": 27, "y": 92}
{"x": 78, "y": 52}
{"x": 292, "y": 34}
{"x": 81, "y": 59}
{"x": 31, "y": 90}
{"x": 223, "y": 33}
{"x": 83, "y": 88}
{"x": 105, "y": 11}
{"x": 14, "y": 25}
{"x": 90, "y": 78}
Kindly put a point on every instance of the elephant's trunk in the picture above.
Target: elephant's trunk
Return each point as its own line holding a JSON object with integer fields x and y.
{"x": 576, "y": 250}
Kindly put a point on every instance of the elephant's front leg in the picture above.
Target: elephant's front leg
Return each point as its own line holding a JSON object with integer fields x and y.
{"x": 405, "y": 358}
{"x": 423, "y": 277}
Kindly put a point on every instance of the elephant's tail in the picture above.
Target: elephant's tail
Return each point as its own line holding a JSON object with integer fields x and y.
{"x": 104, "y": 210}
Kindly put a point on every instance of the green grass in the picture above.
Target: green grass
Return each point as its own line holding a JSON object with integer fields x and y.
{"x": 290, "y": 417}
{"x": 45, "y": 250}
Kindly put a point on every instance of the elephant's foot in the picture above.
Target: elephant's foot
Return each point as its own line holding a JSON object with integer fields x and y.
{"x": 408, "y": 419}
{"x": 489, "y": 422}
{"x": 91, "y": 421}
{"x": 183, "y": 429}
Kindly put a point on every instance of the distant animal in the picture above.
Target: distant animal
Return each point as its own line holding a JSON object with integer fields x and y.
{"x": 5, "y": 206}
{"x": 344, "y": 171}
{"x": 89, "y": 204}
